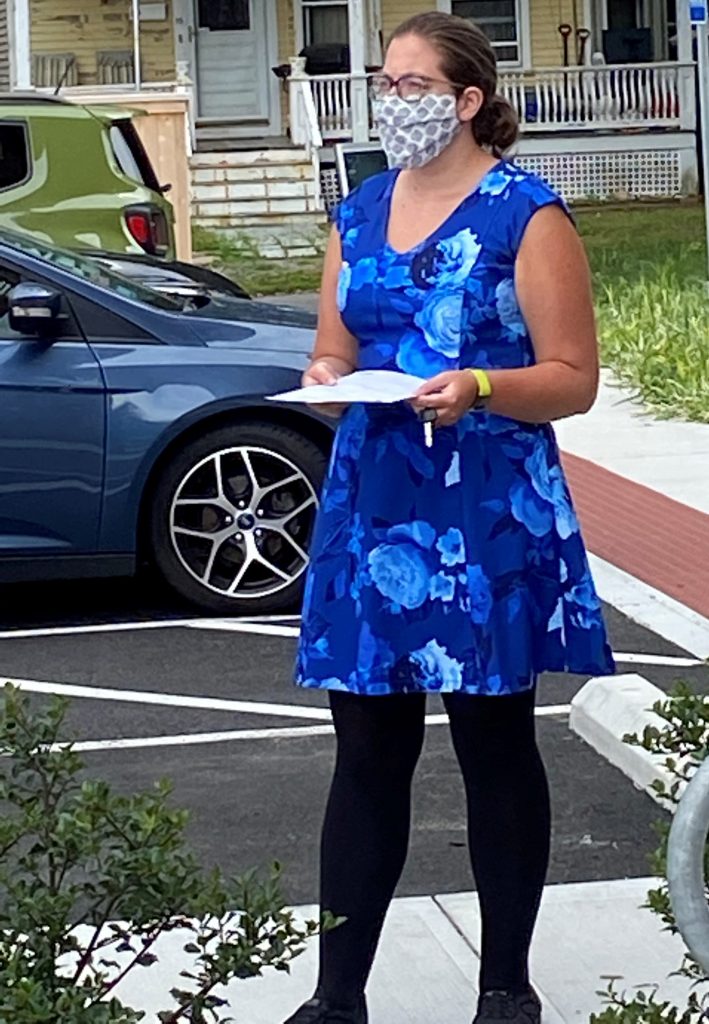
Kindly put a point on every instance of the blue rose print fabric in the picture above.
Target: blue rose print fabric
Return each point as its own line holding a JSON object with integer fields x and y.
{"x": 460, "y": 567}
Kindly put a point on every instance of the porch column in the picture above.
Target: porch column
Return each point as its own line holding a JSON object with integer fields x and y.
{"x": 374, "y": 32}
{"x": 358, "y": 85}
{"x": 684, "y": 34}
{"x": 18, "y": 24}
{"x": 137, "y": 70}
{"x": 687, "y": 94}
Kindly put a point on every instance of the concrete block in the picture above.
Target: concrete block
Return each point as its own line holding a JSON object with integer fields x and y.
{"x": 297, "y": 251}
{"x": 273, "y": 252}
{"x": 235, "y": 174}
{"x": 208, "y": 193}
{"x": 201, "y": 175}
{"x": 286, "y": 189}
{"x": 253, "y": 207}
{"x": 211, "y": 210}
{"x": 251, "y": 158}
{"x": 294, "y": 170}
{"x": 247, "y": 190}
{"x": 609, "y": 708}
{"x": 287, "y": 205}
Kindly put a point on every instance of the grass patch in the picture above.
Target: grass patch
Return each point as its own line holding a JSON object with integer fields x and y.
{"x": 239, "y": 258}
{"x": 649, "y": 270}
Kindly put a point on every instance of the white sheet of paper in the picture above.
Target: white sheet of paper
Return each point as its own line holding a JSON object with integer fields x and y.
{"x": 386, "y": 386}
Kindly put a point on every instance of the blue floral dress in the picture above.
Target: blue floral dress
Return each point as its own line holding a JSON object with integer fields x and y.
{"x": 459, "y": 567}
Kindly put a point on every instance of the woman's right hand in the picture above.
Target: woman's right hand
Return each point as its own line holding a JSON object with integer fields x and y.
{"x": 327, "y": 371}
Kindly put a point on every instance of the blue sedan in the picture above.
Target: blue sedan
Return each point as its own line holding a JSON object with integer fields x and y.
{"x": 134, "y": 428}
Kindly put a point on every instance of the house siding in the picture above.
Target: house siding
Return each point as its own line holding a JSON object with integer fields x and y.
{"x": 101, "y": 25}
{"x": 286, "y": 30}
{"x": 545, "y": 18}
{"x": 396, "y": 11}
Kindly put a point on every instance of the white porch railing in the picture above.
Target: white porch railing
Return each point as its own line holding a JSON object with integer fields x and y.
{"x": 607, "y": 97}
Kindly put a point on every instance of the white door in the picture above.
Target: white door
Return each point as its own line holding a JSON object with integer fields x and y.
{"x": 233, "y": 73}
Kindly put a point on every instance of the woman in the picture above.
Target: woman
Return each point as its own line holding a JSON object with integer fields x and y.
{"x": 456, "y": 568}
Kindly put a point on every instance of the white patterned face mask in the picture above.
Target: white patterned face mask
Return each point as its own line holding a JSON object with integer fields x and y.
{"x": 414, "y": 132}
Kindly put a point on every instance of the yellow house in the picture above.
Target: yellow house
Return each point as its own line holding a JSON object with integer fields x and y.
{"x": 604, "y": 88}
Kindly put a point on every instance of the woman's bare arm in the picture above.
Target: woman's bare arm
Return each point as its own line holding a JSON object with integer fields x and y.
{"x": 553, "y": 286}
{"x": 336, "y": 350}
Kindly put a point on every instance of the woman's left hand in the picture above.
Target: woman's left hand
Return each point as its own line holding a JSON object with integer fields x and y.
{"x": 451, "y": 394}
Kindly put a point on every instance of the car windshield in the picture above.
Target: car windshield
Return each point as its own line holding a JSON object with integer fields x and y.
{"x": 90, "y": 270}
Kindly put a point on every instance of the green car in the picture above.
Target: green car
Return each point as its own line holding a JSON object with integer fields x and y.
{"x": 79, "y": 177}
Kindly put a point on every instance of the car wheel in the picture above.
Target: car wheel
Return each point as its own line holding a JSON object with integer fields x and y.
{"x": 232, "y": 516}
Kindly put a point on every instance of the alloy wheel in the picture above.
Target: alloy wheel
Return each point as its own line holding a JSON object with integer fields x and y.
{"x": 241, "y": 520}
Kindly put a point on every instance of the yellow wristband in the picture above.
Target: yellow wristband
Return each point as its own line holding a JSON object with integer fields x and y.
{"x": 484, "y": 388}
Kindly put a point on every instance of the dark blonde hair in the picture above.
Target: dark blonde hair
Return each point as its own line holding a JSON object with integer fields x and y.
{"x": 467, "y": 58}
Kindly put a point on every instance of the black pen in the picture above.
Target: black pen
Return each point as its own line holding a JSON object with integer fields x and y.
{"x": 428, "y": 417}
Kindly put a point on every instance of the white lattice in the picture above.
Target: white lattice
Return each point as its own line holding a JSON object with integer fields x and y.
{"x": 582, "y": 176}
{"x": 629, "y": 175}
{"x": 330, "y": 187}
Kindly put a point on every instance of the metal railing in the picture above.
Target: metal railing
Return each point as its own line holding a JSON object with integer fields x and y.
{"x": 685, "y": 866}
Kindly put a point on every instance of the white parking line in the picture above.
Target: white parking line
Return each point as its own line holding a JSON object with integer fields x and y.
{"x": 288, "y": 732}
{"x": 657, "y": 659}
{"x": 173, "y": 700}
{"x": 264, "y": 627}
{"x": 242, "y": 626}
{"x": 197, "y": 738}
{"x": 101, "y": 627}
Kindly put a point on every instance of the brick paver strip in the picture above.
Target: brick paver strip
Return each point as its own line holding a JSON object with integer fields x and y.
{"x": 652, "y": 537}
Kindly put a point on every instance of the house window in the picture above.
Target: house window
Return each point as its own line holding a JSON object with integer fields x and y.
{"x": 14, "y": 155}
{"x": 225, "y": 15}
{"x": 325, "y": 21}
{"x": 499, "y": 20}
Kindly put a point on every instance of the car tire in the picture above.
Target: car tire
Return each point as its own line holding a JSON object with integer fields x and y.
{"x": 231, "y": 518}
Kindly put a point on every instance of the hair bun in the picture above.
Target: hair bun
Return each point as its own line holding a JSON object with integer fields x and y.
{"x": 496, "y": 124}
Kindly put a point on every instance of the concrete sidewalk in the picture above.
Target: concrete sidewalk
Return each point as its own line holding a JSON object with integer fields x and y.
{"x": 428, "y": 961}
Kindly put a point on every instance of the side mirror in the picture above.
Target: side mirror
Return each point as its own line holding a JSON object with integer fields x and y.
{"x": 33, "y": 308}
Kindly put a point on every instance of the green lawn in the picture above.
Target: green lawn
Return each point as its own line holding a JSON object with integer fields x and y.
{"x": 649, "y": 271}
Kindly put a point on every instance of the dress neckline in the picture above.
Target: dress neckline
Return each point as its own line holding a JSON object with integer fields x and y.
{"x": 424, "y": 241}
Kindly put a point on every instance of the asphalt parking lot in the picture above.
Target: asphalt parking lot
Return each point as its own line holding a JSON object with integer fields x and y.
{"x": 210, "y": 704}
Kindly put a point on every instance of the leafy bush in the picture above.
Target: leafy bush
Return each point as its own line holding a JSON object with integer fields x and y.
{"x": 683, "y": 743}
{"x": 90, "y": 880}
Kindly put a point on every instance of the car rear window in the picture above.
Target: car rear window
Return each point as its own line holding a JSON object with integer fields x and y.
{"x": 14, "y": 154}
{"x": 130, "y": 154}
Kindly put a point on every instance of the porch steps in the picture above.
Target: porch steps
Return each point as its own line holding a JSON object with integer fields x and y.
{"x": 268, "y": 196}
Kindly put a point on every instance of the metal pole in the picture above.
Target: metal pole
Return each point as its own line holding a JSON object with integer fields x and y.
{"x": 685, "y": 865}
{"x": 137, "y": 70}
{"x": 703, "y": 71}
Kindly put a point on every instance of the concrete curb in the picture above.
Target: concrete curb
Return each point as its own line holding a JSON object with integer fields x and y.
{"x": 607, "y": 709}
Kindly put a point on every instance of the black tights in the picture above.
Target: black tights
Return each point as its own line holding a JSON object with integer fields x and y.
{"x": 366, "y": 831}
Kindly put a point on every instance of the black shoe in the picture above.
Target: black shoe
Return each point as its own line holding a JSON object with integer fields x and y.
{"x": 516, "y": 1008}
{"x": 320, "y": 1011}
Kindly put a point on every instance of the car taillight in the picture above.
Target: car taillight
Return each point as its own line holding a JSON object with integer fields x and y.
{"x": 147, "y": 226}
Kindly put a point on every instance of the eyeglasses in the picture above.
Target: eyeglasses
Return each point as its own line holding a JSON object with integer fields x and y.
{"x": 408, "y": 87}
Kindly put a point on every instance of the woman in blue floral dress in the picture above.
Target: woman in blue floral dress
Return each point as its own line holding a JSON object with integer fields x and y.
{"x": 459, "y": 568}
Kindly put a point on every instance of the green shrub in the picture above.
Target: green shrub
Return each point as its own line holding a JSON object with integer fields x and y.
{"x": 90, "y": 880}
